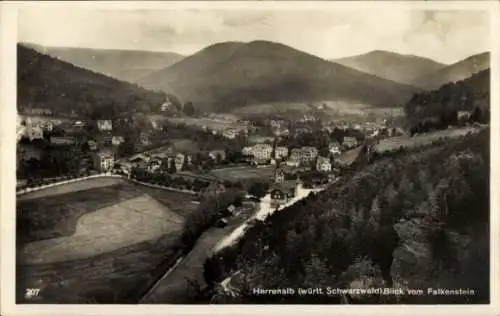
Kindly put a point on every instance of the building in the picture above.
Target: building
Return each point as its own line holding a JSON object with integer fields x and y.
{"x": 104, "y": 125}
{"x": 309, "y": 154}
{"x": 92, "y": 144}
{"x": 125, "y": 167}
{"x": 282, "y": 191}
{"x": 262, "y": 151}
{"x": 323, "y": 164}
{"x": 48, "y": 126}
{"x": 279, "y": 175}
{"x": 104, "y": 160}
{"x": 306, "y": 118}
{"x": 349, "y": 142}
{"x": 179, "y": 160}
{"x": 35, "y": 132}
{"x": 280, "y": 152}
{"x": 79, "y": 124}
{"x": 276, "y": 124}
{"x": 334, "y": 148}
{"x": 230, "y": 133}
{"x": 217, "y": 153}
{"x": 139, "y": 160}
{"x": 231, "y": 209}
{"x": 292, "y": 163}
{"x": 463, "y": 115}
{"x": 247, "y": 151}
{"x": 154, "y": 164}
{"x": 117, "y": 140}
{"x": 166, "y": 105}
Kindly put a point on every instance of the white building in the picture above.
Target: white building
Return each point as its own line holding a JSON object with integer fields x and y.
{"x": 230, "y": 133}
{"x": 262, "y": 151}
{"x": 280, "y": 152}
{"x": 104, "y": 125}
{"x": 350, "y": 142}
{"x": 247, "y": 151}
{"x": 35, "y": 132}
{"x": 334, "y": 148}
{"x": 323, "y": 164}
{"x": 48, "y": 126}
{"x": 117, "y": 140}
{"x": 104, "y": 160}
{"x": 309, "y": 153}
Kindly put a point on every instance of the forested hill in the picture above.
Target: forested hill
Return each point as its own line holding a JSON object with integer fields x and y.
{"x": 227, "y": 76}
{"x": 467, "y": 94}
{"x": 47, "y": 82}
{"x": 404, "y": 221}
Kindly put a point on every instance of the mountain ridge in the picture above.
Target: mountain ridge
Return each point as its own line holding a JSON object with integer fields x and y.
{"x": 394, "y": 66}
{"x": 121, "y": 64}
{"x": 238, "y": 74}
{"x": 48, "y": 82}
{"x": 457, "y": 71}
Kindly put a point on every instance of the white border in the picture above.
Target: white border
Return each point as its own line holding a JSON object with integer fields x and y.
{"x": 8, "y": 37}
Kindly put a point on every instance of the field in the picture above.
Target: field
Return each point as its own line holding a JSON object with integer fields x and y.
{"x": 256, "y": 139}
{"x": 394, "y": 143}
{"x": 211, "y": 123}
{"x": 184, "y": 145}
{"x": 74, "y": 187}
{"x": 244, "y": 173}
{"x": 334, "y": 109}
{"x": 97, "y": 245}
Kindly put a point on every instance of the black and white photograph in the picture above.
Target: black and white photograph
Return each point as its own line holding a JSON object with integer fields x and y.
{"x": 253, "y": 154}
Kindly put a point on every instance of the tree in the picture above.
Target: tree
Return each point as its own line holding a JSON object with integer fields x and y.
{"x": 173, "y": 168}
{"x": 259, "y": 189}
{"x": 188, "y": 109}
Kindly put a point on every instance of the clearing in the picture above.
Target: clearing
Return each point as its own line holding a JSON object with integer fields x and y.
{"x": 394, "y": 143}
{"x": 244, "y": 173}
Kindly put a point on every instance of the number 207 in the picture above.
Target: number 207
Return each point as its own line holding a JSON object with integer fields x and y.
{"x": 31, "y": 293}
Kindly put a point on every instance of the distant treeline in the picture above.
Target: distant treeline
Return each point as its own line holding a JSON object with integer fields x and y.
{"x": 439, "y": 108}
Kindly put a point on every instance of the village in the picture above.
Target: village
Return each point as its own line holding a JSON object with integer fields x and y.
{"x": 255, "y": 151}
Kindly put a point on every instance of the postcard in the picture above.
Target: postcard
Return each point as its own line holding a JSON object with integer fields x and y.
{"x": 250, "y": 157}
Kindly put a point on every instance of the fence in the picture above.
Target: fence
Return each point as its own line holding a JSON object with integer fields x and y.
{"x": 108, "y": 174}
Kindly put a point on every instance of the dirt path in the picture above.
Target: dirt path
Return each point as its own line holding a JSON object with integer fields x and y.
{"x": 173, "y": 287}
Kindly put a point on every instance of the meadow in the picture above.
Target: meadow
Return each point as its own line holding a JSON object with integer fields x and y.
{"x": 101, "y": 245}
{"x": 393, "y": 143}
{"x": 244, "y": 173}
{"x": 211, "y": 123}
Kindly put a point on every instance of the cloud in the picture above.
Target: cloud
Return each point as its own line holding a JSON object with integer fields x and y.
{"x": 327, "y": 32}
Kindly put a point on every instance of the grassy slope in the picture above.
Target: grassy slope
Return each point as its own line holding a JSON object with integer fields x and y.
{"x": 56, "y": 216}
{"x": 117, "y": 276}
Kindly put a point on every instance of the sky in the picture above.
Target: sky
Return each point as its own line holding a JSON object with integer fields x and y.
{"x": 445, "y": 36}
